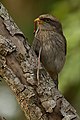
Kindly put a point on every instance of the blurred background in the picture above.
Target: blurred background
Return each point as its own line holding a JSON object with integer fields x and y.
{"x": 68, "y": 12}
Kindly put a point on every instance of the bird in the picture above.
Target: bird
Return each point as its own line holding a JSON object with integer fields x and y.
{"x": 49, "y": 45}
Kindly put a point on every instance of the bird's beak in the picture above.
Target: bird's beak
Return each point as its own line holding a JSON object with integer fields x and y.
{"x": 36, "y": 22}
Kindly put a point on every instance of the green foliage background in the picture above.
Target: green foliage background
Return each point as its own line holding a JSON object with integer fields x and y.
{"x": 68, "y": 12}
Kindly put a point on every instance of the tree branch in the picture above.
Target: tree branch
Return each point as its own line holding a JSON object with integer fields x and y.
{"x": 18, "y": 65}
{"x": 2, "y": 118}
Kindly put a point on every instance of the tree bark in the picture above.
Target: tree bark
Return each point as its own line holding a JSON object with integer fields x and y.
{"x": 18, "y": 66}
{"x": 2, "y": 118}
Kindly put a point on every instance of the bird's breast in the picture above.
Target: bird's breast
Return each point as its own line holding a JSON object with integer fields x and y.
{"x": 42, "y": 35}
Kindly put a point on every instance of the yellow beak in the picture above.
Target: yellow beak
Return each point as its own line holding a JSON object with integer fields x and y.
{"x": 37, "y": 19}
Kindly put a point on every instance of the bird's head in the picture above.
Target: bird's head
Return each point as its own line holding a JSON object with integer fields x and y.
{"x": 48, "y": 22}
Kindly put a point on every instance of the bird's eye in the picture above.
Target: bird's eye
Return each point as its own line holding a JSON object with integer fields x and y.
{"x": 47, "y": 20}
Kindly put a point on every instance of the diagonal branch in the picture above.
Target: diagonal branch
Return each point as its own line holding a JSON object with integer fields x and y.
{"x": 18, "y": 66}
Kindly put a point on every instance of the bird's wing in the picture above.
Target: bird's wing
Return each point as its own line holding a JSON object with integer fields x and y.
{"x": 59, "y": 41}
{"x": 36, "y": 46}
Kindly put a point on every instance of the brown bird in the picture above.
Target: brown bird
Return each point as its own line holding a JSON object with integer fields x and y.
{"x": 49, "y": 44}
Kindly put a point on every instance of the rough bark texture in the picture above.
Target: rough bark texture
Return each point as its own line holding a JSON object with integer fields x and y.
{"x": 18, "y": 65}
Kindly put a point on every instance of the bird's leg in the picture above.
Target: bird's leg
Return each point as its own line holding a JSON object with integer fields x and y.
{"x": 38, "y": 67}
{"x": 56, "y": 83}
{"x": 56, "y": 80}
